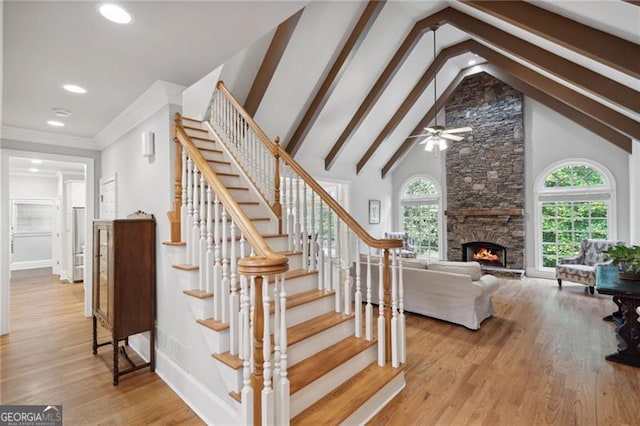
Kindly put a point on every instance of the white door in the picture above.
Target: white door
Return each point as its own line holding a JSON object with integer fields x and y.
{"x": 108, "y": 197}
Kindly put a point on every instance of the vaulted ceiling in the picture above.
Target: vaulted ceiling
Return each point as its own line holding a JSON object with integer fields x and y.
{"x": 341, "y": 82}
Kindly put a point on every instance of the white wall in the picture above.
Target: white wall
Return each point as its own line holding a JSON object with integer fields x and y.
{"x": 634, "y": 194}
{"x": 33, "y": 187}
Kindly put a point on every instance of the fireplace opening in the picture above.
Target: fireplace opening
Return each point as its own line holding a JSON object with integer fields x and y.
{"x": 485, "y": 253}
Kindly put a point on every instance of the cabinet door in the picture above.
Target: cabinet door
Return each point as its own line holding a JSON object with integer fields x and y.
{"x": 102, "y": 292}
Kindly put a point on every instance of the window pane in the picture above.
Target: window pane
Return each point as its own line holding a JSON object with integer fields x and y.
{"x": 574, "y": 176}
{"x": 419, "y": 187}
{"x": 420, "y": 222}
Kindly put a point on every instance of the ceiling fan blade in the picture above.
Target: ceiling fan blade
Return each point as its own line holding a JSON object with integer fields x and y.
{"x": 451, "y": 137}
{"x": 419, "y": 136}
{"x": 458, "y": 130}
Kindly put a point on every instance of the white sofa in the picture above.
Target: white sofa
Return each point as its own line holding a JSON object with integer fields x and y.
{"x": 451, "y": 291}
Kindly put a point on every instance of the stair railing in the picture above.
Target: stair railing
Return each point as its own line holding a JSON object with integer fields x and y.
{"x": 217, "y": 232}
{"x": 320, "y": 228}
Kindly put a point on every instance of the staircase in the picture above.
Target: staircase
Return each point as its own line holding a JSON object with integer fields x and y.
{"x": 270, "y": 279}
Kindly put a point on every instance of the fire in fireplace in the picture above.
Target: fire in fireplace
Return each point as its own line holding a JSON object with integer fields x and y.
{"x": 485, "y": 252}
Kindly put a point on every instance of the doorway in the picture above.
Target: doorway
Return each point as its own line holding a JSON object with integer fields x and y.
{"x": 80, "y": 167}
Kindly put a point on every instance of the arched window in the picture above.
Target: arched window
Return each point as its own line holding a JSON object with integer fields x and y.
{"x": 420, "y": 215}
{"x": 575, "y": 202}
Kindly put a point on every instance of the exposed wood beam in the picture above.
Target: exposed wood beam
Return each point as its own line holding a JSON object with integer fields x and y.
{"x": 598, "y": 45}
{"x": 359, "y": 33}
{"x": 568, "y": 111}
{"x": 563, "y": 93}
{"x": 387, "y": 75}
{"x": 563, "y": 68}
{"x": 270, "y": 62}
{"x": 571, "y": 113}
{"x": 412, "y": 97}
{"x": 430, "y": 115}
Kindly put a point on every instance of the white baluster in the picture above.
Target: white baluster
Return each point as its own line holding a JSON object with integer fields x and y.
{"x": 337, "y": 268}
{"x": 290, "y": 221}
{"x": 347, "y": 274}
{"x": 234, "y": 306}
{"x": 195, "y": 230}
{"x": 368, "y": 317}
{"x": 217, "y": 262}
{"x": 183, "y": 206}
{"x": 296, "y": 231}
{"x": 209, "y": 262}
{"x": 303, "y": 229}
{"x": 358, "y": 295}
{"x": 381, "y": 328}
{"x": 247, "y": 391}
{"x": 284, "y": 380}
{"x": 394, "y": 310}
{"x": 187, "y": 234}
{"x": 202, "y": 246}
{"x": 224, "y": 313}
{"x": 402, "y": 322}
{"x": 330, "y": 252}
{"x": 268, "y": 417}
{"x": 321, "y": 279}
{"x": 243, "y": 293}
{"x": 314, "y": 235}
{"x": 276, "y": 348}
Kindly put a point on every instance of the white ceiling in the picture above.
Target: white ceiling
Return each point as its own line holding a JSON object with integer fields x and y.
{"x": 50, "y": 43}
{"x": 19, "y": 166}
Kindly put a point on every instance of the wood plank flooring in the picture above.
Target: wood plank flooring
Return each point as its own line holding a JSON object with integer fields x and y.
{"x": 539, "y": 360}
{"x": 47, "y": 359}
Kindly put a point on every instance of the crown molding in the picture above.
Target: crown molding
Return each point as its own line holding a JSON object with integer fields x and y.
{"x": 160, "y": 93}
{"x": 37, "y": 136}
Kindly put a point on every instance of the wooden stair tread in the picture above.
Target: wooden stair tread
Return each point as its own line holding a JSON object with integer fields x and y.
{"x": 184, "y": 267}
{"x": 289, "y": 252}
{"x": 218, "y": 151}
{"x": 248, "y": 203}
{"x": 199, "y": 294}
{"x": 226, "y": 163}
{"x": 202, "y": 139}
{"x": 195, "y": 128}
{"x": 348, "y": 397}
{"x": 192, "y": 119}
{"x": 232, "y": 361}
{"x": 213, "y": 324}
{"x": 314, "y": 326}
{"x": 237, "y": 188}
{"x": 228, "y": 174}
{"x": 319, "y": 364}
{"x": 236, "y": 395}
{"x": 174, "y": 243}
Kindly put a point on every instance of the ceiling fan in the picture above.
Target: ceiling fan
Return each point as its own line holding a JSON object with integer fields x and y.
{"x": 437, "y": 136}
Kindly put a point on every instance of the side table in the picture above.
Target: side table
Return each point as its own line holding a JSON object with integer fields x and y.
{"x": 626, "y": 295}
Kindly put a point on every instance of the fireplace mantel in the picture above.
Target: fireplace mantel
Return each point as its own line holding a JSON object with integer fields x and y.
{"x": 485, "y": 212}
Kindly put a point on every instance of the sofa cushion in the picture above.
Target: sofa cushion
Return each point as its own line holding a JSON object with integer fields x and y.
{"x": 471, "y": 269}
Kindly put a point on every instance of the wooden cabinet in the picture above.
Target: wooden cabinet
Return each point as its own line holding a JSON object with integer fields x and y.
{"x": 124, "y": 275}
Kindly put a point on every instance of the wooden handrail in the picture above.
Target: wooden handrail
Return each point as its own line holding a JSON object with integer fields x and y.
{"x": 265, "y": 258}
{"x": 276, "y": 150}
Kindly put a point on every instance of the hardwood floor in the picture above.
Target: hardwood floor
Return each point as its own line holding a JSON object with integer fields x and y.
{"x": 539, "y": 360}
{"x": 47, "y": 359}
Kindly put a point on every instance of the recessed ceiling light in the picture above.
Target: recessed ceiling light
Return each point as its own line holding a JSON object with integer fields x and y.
{"x": 472, "y": 62}
{"x": 62, "y": 112}
{"x": 55, "y": 123}
{"x": 74, "y": 88}
{"x": 36, "y": 161}
{"x": 115, "y": 13}
{"x": 33, "y": 170}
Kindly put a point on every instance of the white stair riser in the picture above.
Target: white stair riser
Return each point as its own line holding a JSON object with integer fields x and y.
{"x": 221, "y": 168}
{"x": 295, "y": 261}
{"x": 231, "y": 180}
{"x": 242, "y": 195}
{"x": 307, "y": 311}
{"x": 316, "y": 390}
{"x": 277, "y": 243}
{"x": 320, "y": 341}
{"x": 213, "y": 155}
{"x": 299, "y": 284}
{"x": 373, "y": 405}
{"x": 201, "y": 308}
{"x": 217, "y": 341}
{"x": 204, "y": 144}
{"x": 232, "y": 377}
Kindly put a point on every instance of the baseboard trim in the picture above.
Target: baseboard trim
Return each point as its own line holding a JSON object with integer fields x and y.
{"x": 206, "y": 404}
{"x": 31, "y": 264}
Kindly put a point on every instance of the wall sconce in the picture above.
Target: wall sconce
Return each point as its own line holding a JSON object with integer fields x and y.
{"x": 148, "y": 145}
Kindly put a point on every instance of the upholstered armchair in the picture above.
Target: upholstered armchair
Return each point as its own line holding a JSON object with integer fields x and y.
{"x": 407, "y": 249}
{"x": 582, "y": 268}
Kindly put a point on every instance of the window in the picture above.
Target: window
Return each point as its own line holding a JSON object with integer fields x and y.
{"x": 574, "y": 203}
{"x": 420, "y": 215}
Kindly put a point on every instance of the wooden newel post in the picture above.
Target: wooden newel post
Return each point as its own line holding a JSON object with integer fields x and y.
{"x": 257, "y": 381}
{"x": 174, "y": 215}
{"x": 277, "y": 206}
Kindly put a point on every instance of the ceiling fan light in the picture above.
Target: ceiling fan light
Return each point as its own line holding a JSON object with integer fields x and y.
{"x": 443, "y": 144}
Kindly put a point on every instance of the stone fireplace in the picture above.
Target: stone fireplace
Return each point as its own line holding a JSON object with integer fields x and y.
{"x": 485, "y": 172}
{"x": 485, "y": 252}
